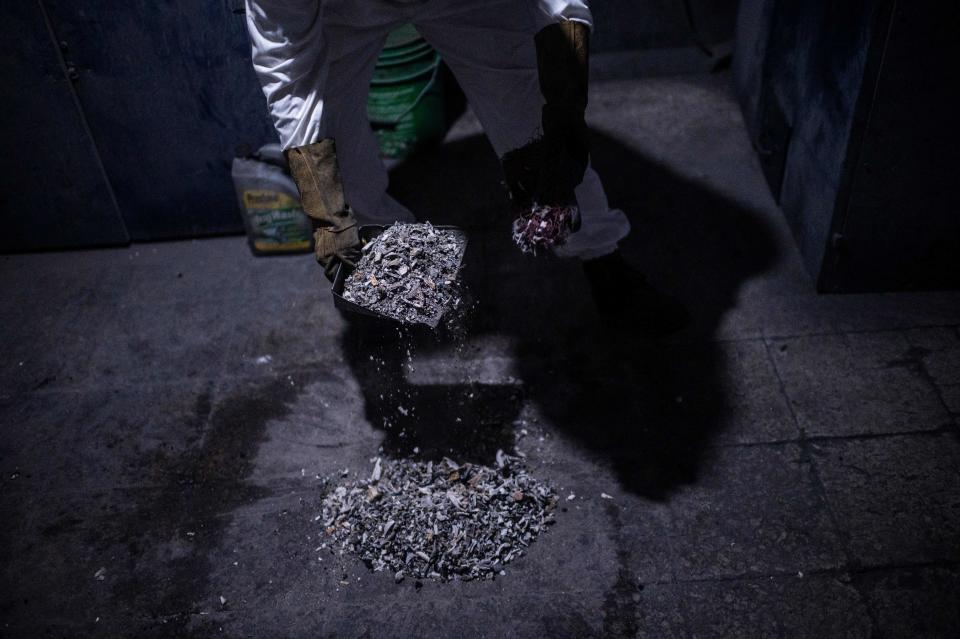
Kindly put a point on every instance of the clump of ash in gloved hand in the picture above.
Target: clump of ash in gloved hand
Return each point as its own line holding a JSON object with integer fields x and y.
{"x": 543, "y": 227}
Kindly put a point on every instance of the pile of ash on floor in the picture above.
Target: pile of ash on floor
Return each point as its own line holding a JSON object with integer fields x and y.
{"x": 543, "y": 227}
{"x": 409, "y": 272}
{"x": 440, "y": 520}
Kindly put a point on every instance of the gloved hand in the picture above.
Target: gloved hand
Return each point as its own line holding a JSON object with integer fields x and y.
{"x": 316, "y": 172}
{"x": 545, "y": 220}
{"x": 521, "y": 172}
{"x": 542, "y": 176}
{"x": 333, "y": 245}
{"x": 562, "y": 64}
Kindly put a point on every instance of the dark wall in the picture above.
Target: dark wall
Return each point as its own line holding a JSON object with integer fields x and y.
{"x": 850, "y": 110}
{"x": 53, "y": 190}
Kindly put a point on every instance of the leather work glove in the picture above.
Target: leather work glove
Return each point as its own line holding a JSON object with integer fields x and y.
{"x": 562, "y": 64}
{"x": 316, "y": 172}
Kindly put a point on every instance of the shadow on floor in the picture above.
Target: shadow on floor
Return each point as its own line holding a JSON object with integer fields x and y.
{"x": 646, "y": 407}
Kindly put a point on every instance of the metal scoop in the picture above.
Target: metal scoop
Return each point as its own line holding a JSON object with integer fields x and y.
{"x": 367, "y": 234}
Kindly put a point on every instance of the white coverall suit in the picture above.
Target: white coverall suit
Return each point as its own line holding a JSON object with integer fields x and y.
{"x": 315, "y": 60}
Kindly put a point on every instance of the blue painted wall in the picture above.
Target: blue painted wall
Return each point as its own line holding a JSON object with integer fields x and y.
{"x": 53, "y": 191}
{"x": 169, "y": 93}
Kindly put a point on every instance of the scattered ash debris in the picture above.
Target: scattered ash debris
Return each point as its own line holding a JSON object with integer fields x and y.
{"x": 543, "y": 227}
{"x": 410, "y": 273}
{"x": 441, "y": 520}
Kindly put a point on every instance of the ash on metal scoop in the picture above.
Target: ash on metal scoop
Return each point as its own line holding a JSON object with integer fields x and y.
{"x": 410, "y": 273}
{"x": 439, "y": 520}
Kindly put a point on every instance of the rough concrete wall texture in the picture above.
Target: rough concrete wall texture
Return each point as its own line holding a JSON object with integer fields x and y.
{"x": 753, "y": 20}
{"x": 901, "y": 168}
{"x": 822, "y": 59}
{"x": 806, "y": 62}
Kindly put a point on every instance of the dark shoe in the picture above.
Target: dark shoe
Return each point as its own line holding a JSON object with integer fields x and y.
{"x": 626, "y": 300}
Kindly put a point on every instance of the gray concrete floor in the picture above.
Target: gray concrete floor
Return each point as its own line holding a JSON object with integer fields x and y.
{"x": 787, "y": 466}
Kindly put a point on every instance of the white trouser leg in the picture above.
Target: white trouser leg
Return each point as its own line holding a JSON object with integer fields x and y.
{"x": 345, "y": 120}
{"x": 315, "y": 60}
{"x": 488, "y": 44}
{"x": 600, "y": 226}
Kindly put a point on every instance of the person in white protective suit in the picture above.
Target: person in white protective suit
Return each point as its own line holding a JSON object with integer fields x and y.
{"x": 523, "y": 67}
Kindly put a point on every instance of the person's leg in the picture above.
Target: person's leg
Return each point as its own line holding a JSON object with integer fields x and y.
{"x": 600, "y": 226}
{"x": 489, "y": 46}
{"x": 345, "y": 119}
{"x": 315, "y": 60}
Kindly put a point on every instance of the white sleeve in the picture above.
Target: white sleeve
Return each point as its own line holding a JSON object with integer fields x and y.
{"x": 551, "y": 11}
{"x": 288, "y": 54}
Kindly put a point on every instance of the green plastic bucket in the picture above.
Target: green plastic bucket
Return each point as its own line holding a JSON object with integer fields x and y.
{"x": 402, "y": 37}
{"x": 405, "y": 103}
{"x": 417, "y": 46}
